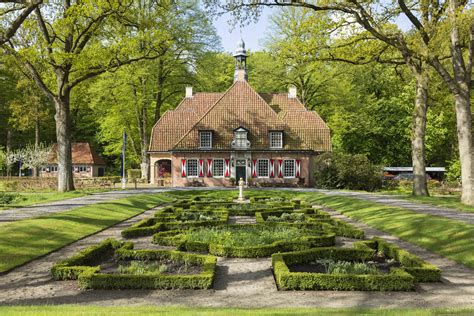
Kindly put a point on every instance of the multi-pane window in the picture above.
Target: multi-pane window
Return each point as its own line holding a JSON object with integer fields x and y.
{"x": 82, "y": 168}
{"x": 276, "y": 140}
{"x": 288, "y": 168}
{"x": 218, "y": 168}
{"x": 263, "y": 166}
{"x": 205, "y": 139}
{"x": 192, "y": 168}
{"x": 240, "y": 139}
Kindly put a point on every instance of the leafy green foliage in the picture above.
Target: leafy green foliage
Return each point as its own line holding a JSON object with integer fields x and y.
{"x": 341, "y": 170}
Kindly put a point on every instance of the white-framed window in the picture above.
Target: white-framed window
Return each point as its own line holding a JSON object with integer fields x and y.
{"x": 263, "y": 168}
{"x": 218, "y": 166}
{"x": 205, "y": 139}
{"x": 82, "y": 168}
{"x": 192, "y": 166}
{"x": 289, "y": 168}
{"x": 240, "y": 139}
{"x": 276, "y": 139}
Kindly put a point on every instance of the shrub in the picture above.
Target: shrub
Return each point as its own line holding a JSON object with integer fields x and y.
{"x": 134, "y": 174}
{"x": 346, "y": 171}
{"x": 9, "y": 198}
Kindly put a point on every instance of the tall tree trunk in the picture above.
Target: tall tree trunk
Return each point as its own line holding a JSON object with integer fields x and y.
{"x": 9, "y": 149}
{"x": 145, "y": 165}
{"x": 464, "y": 131}
{"x": 63, "y": 136}
{"x": 37, "y": 143}
{"x": 420, "y": 187}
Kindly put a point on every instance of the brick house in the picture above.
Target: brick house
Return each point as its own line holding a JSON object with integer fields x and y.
{"x": 212, "y": 138}
{"x": 86, "y": 163}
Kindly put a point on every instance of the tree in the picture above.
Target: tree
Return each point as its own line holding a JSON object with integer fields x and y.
{"x": 29, "y": 110}
{"x": 13, "y": 13}
{"x": 78, "y": 41}
{"x": 427, "y": 19}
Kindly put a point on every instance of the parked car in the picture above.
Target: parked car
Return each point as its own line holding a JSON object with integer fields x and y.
{"x": 407, "y": 177}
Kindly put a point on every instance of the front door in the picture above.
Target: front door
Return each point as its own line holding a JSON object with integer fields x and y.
{"x": 240, "y": 172}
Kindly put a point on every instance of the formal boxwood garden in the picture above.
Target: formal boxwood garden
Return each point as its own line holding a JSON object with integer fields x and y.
{"x": 116, "y": 265}
{"x": 172, "y": 217}
{"x": 349, "y": 269}
{"x": 244, "y": 241}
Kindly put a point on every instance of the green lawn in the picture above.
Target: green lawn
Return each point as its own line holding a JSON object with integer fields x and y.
{"x": 449, "y": 238}
{"x": 28, "y": 239}
{"x": 76, "y": 310}
{"x": 31, "y": 198}
{"x": 448, "y": 201}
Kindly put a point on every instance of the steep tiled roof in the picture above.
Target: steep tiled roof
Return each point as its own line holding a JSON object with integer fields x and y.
{"x": 240, "y": 105}
{"x": 82, "y": 153}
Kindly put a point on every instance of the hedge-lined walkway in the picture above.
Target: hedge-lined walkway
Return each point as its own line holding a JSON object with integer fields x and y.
{"x": 69, "y": 204}
{"x": 467, "y": 218}
{"x": 239, "y": 283}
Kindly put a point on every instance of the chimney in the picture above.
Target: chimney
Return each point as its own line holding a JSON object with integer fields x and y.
{"x": 292, "y": 92}
{"x": 189, "y": 92}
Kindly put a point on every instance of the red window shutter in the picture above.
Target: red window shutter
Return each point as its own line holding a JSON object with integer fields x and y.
{"x": 298, "y": 168}
{"x": 227, "y": 168}
{"x": 183, "y": 167}
{"x": 280, "y": 168}
{"x": 254, "y": 168}
{"x": 209, "y": 168}
{"x": 272, "y": 168}
{"x": 201, "y": 168}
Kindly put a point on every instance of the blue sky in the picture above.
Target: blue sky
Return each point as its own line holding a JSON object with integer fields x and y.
{"x": 254, "y": 33}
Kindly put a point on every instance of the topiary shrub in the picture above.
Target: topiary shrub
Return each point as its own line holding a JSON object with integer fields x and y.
{"x": 346, "y": 171}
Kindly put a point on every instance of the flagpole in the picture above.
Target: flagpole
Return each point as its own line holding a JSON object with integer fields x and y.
{"x": 124, "y": 148}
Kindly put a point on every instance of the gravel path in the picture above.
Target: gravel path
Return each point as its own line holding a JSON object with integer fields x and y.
{"x": 467, "y": 218}
{"x": 239, "y": 283}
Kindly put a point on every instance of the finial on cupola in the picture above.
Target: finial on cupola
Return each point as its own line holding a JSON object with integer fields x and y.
{"x": 240, "y": 56}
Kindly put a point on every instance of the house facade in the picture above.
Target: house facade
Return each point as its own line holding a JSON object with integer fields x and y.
{"x": 86, "y": 163}
{"x": 214, "y": 139}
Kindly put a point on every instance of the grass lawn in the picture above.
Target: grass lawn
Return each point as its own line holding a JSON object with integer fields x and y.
{"x": 448, "y": 201}
{"x": 73, "y": 310}
{"x": 31, "y": 198}
{"x": 24, "y": 240}
{"x": 449, "y": 238}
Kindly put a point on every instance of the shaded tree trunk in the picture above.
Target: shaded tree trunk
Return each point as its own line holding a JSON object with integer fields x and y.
{"x": 37, "y": 143}
{"x": 420, "y": 187}
{"x": 9, "y": 149}
{"x": 159, "y": 89}
{"x": 63, "y": 136}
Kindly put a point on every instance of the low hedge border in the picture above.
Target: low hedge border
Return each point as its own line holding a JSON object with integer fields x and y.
{"x": 203, "y": 280}
{"x": 313, "y": 221}
{"x": 421, "y": 270}
{"x": 87, "y": 260}
{"x": 177, "y": 238}
{"x": 150, "y": 226}
{"x": 397, "y": 280}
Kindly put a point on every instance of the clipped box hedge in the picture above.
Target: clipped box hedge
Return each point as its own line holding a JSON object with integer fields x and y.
{"x": 202, "y": 280}
{"x": 87, "y": 260}
{"x": 177, "y": 238}
{"x": 397, "y": 280}
{"x": 165, "y": 221}
{"x": 421, "y": 270}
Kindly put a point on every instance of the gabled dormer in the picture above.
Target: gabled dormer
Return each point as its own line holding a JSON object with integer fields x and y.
{"x": 240, "y": 140}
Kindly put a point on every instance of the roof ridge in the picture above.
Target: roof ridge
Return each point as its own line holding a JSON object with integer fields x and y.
{"x": 204, "y": 114}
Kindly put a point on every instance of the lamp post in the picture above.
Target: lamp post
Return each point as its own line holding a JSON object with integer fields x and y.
{"x": 124, "y": 149}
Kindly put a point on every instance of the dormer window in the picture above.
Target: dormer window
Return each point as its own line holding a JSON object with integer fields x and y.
{"x": 240, "y": 139}
{"x": 205, "y": 139}
{"x": 276, "y": 140}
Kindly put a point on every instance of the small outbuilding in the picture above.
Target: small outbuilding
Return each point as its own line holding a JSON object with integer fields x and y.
{"x": 86, "y": 163}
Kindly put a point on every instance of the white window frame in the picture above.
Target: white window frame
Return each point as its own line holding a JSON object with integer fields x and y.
{"x": 201, "y": 134}
{"x": 223, "y": 168}
{"x": 258, "y": 169}
{"x": 82, "y": 168}
{"x": 187, "y": 168}
{"x": 275, "y": 133}
{"x": 294, "y": 169}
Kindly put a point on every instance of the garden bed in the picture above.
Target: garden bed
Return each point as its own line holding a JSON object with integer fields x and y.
{"x": 373, "y": 265}
{"x": 244, "y": 241}
{"x": 115, "y": 265}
